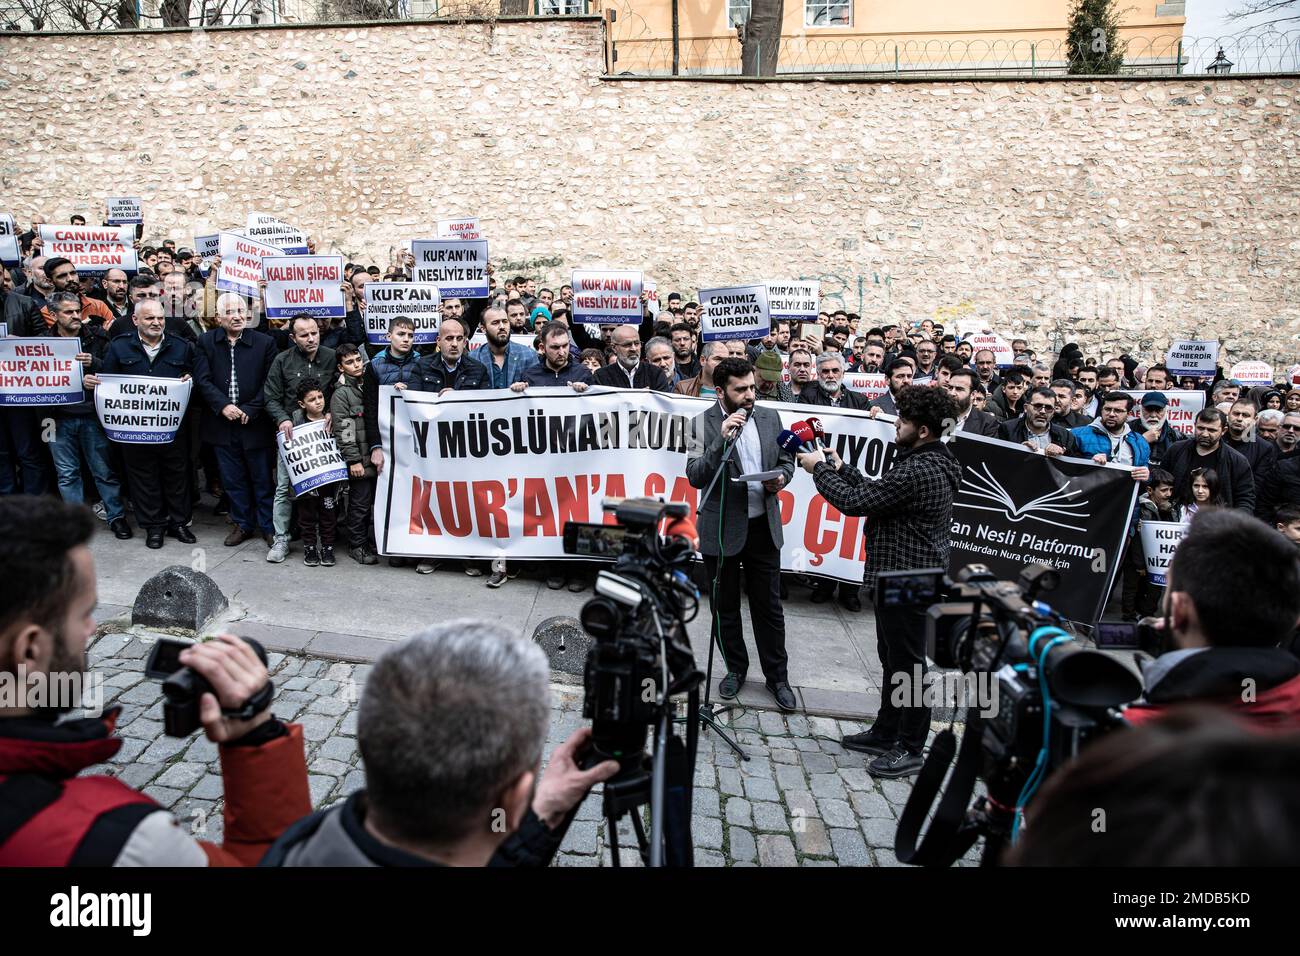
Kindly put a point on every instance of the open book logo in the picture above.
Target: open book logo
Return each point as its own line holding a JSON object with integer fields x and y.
{"x": 1056, "y": 504}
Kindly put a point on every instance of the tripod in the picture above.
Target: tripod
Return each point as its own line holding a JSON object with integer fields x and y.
{"x": 629, "y": 791}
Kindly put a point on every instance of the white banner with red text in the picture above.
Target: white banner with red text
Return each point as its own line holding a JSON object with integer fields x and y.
{"x": 497, "y": 474}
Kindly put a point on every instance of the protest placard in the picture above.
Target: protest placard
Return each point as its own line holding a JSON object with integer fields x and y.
{"x": 1015, "y": 507}
{"x": 464, "y": 229}
{"x": 298, "y": 284}
{"x": 205, "y": 247}
{"x": 141, "y": 410}
{"x": 40, "y": 371}
{"x": 870, "y": 384}
{"x": 10, "y": 252}
{"x": 651, "y": 291}
{"x": 276, "y": 232}
{"x": 458, "y": 269}
{"x": 241, "y": 264}
{"x": 7, "y": 226}
{"x": 1196, "y": 358}
{"x": 607, "y": 296}
{"x": 124, "y": 211}
{"x": 92, "y": 249}
{"x": 1252, "y": 373}
{"x": 996, "y": 344}
{"x": 311, "y": 457}
{"x": 418, "y": 301}
{"x": 1159, "y": 542}
{"x": 793, "y": 300}
{"x": 734, "y": 312}
{"x": 1181, "y": 412}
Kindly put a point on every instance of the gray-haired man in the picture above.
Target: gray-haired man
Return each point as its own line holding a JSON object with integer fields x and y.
{"x": 451, "y": 730}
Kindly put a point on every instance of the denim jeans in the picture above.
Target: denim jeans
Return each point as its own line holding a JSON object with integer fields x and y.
{"x": 283, "y": 510}
{"x": 79, "y": 438}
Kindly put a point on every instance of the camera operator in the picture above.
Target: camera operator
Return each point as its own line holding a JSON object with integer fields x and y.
{"x": 1232, "y": 597}
{"x": 747, "y": 539}
{"x": 910, "y": 507}
{"x": 49, "y": 816}
{"x": 451, "y": 728}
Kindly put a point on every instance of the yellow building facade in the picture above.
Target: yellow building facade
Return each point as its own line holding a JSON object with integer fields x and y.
{"x": 889, "y": 36}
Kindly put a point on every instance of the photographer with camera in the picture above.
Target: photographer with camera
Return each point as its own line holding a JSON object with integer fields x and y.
{"x": 910, "y": 508}
{"x": 451, "y": 729}
{"x": 49, "y": 816}
{"x": 1232, "y": 597}
{"x": 740, "y": 525}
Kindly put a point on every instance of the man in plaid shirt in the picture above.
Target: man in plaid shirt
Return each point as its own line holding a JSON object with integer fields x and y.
{"x": 910, "y": 508}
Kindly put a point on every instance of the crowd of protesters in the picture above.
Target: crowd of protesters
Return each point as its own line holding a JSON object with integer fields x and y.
{"x": 253, "y": 378}
{"x": 426, "y": 795}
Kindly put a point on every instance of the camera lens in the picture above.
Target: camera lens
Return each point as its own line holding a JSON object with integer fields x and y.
{"x": 601, "y": 617}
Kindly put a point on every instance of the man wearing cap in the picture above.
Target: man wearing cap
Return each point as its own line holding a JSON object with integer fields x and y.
{"x": 1155, "y": 427}
{"x": 770, "y": 387}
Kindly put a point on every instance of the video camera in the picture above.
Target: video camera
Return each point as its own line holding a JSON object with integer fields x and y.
{"x": 1050, "y": 696}
{"x": 640, "y": 655}
{"x": 183, "y": 687}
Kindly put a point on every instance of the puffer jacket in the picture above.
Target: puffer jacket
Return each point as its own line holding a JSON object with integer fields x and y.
{"x": 348, "y": 409}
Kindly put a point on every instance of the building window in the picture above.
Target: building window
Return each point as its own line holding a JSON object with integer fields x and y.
{"x": 561, "y": 8}
{"x": 737, "y": 12}
{"x": 828, "y": 13}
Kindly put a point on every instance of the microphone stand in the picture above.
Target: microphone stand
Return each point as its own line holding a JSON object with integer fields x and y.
{"x": 706, "y": 713}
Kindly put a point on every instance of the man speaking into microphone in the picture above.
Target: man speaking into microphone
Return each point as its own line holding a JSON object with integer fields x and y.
{"x": 910, "y": 515}
{"x": 740, "y": 524}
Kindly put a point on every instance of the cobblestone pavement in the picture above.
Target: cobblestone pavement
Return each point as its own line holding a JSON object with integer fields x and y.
{"x": 800, "y": 799}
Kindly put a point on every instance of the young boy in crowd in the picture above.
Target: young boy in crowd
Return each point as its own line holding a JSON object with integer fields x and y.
{"x": 347, "y": 407}
{"x": 1288, "y": 522}
{"x": 316, "y": 513}
{"x": 1139, "y": 595}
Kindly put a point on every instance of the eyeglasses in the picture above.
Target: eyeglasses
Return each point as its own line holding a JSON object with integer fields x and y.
{"x": 1040, "y": 407}
{"x": 1290, "y": 428}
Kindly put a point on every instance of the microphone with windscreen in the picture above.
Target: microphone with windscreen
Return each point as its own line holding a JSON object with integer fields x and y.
{"x": 804, "y": 432}
{"x": 789, "y": 441}
{"x": 819, "y": 433}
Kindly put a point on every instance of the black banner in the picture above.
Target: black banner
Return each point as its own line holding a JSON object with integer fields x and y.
{"x": 1015, "y": 507}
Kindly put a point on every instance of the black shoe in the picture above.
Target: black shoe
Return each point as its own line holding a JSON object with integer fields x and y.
{"x": 868, "y": 743}
{"x": 309, "y": 556}
{"x": 153, "y": 538}
{"x": 397, "y": 562}
{"x": 555, "y": 582}
{"x": 785, "y": 698}
{"x": 327, "y": 556}
{"x": 121, "y": 530}
{"x": 897, "y": 763}
{"x": 729, "y": 686}
{"x": 850, "y": 601}
{"x": 182, "y": 534}
{"x": 362, "y": 556}
{"x": 820, "y": 595}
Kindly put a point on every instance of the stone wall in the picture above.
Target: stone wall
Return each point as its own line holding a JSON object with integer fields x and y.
{"x": 1115, "y": 213}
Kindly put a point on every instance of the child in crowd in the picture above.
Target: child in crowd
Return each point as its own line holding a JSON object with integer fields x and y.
{"x": 347, "y": 409}
{"x": 1288, "y": 522}
{"x": 316, "y": 513}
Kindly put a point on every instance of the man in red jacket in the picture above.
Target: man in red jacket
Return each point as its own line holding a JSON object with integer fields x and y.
{"x": 50, "y": 816}
{"x": 1232, "y": 604}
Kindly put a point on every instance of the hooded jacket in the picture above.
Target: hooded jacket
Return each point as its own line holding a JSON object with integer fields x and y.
{"x": 1216, "y": 675}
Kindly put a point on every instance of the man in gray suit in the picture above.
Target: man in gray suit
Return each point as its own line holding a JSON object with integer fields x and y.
{"x": 740, "y": 525}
